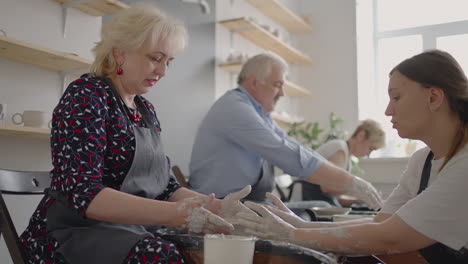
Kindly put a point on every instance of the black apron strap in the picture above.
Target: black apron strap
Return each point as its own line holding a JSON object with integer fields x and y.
{"x": 426, "y": 173}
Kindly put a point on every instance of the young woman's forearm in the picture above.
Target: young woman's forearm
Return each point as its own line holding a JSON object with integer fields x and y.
{"x": 368, "y": 238}
{"x": 336, "y": 224}
{"x": 119, "y": 207}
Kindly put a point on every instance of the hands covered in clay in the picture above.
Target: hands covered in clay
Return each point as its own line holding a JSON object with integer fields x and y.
{"x": 231, "y": 205}
{"x": 197, "y": 219}
{"x": 364, "y": 191}
{"x": 282, "y": 211}
{"x": 265, "y": 224}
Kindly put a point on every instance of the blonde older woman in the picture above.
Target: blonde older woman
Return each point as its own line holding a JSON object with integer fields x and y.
{"x": 111, "y": 176}
{"x": 367, "y": 137}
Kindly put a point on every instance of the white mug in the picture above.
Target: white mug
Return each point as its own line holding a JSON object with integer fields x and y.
{"x": 3, "y": 108}
{"x": 32, "y": 119}
{"x": 228, "y": 249}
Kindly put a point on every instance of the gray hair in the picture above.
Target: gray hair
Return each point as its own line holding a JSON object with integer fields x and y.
{"x": 130, "y": 29}
{"x": 261, "y": 66}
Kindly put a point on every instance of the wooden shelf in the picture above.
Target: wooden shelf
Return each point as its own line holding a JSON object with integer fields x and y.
{"x": 282, "y": 15}
{"x": 290, "y": 88}
{"x": 282, "y": 120}
{"x": 264, "y": 39}
{"x": 21, "y": 131}
{"x": 24, "y": 52}
{"x": 98, "y": 7}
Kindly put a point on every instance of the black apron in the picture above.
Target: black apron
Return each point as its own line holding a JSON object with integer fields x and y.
{"x": 313, "y": 192}
{"x": 265, "y": 183}
{"x": 438, "y": 253}
{"x": 87, "y": 241}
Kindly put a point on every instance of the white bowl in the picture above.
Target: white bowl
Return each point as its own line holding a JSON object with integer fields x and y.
{"x": 322, "y": 211}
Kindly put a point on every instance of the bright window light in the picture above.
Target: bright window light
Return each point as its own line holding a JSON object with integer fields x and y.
{"x": 389, "y": 31}
{"x": 400, "y": 14}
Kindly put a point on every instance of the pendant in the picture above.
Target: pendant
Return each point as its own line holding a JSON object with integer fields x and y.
{"x": 136, "y": 117}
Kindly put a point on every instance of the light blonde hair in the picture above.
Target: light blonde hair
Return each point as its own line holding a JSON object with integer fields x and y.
{"x": 130, "y": 29}
{"x": 261, "y": 66}
{"x": 373, "y": 131}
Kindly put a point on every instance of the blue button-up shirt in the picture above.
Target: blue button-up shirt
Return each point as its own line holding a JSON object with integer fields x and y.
{"x": 232, "y": 142}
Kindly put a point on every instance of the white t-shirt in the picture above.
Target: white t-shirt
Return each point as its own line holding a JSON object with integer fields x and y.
{"x": 441, "y": 211}
{"x": 331, "y": 147}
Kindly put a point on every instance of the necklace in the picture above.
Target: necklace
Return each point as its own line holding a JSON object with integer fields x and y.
{"x": 133, "y": 114}
{"x": 136, "y": 117}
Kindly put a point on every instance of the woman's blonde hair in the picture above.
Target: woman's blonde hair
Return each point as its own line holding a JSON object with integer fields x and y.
{"x": 130, "y": 29}
{"x": 373, "y": 131}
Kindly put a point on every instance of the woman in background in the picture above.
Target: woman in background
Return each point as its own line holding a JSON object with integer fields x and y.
{"x": 367, "y": 137}
{"x": 426, "y": 212}
{"x": 111, "y": 176}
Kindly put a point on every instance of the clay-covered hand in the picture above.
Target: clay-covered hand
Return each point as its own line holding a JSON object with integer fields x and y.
{"x": 200, "y": 220}
{"x": 364, "y": 191}
{"x": 231, "y": 205}
{"x": 284, "y": 213}
{"x": 266, "y": 224}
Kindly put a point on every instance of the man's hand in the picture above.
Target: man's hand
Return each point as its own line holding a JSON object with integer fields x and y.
{"x": 364, "y": 191}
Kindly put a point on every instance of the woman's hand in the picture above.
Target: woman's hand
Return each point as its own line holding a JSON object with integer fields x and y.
{"x": 284, "y": 213}
{"x": 197, "y": 219}
{"x": 231, "y": 205}
{"x": 364, "y": 191}
{"x": 266, "y": 224}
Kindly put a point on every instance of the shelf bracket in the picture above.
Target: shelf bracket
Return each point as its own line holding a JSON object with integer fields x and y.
{"x": 203, "y": 4}
{"x": 65, "y": 7}
{"x": 63, "y": 76}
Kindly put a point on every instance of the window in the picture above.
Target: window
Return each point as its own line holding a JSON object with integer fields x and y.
{"x": 389, "y": 31}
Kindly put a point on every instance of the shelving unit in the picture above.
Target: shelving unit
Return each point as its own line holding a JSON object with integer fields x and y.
{"x": 29, "y": 132}
{"x": 264, "y": 39}
{"x": 282, "y": 15}
{"x": 290, "y": 88}
{"x": 97, "y": 7}
{"x": 283, "y": 121}
{"x": 24, "y": 52}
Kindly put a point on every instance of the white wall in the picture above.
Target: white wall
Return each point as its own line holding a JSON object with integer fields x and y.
{"x": 332, "y": 46}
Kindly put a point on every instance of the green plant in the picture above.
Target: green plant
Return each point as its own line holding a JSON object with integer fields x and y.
{"x": 306, "y": 133}
{"x": 309, "y": 133}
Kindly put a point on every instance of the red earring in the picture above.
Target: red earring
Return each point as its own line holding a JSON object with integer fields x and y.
{"x": 120, "y": 70}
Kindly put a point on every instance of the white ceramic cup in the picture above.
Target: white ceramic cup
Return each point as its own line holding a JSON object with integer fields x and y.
{"x": 228, "y": 249}
{"x": 31, "y": 118}
{"x": 3, "y": 109}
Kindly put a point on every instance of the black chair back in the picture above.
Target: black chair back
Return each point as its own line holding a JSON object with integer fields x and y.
{"x": 18, "y": 183}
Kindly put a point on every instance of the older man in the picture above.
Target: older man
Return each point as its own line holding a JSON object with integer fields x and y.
{"x": 238, "y": 143}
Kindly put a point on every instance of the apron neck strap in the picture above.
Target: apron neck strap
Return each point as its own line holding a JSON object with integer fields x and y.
{"x": 426, "y": 173}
